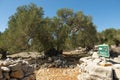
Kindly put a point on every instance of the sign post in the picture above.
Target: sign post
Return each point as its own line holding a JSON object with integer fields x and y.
{"x": 103, "y": 50}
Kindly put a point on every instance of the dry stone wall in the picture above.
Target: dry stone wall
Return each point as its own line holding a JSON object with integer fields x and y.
{"x": 92, "y": 68}
{"x": 16, "y": 70}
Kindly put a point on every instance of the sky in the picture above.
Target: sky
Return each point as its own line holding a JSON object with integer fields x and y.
{"x": 105, "y": 13}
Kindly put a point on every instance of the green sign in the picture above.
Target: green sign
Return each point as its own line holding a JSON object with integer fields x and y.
{"x": 103, "y": 50}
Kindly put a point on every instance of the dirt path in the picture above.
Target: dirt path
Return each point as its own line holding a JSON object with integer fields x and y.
{"x": 61, "y": 73}
{"x": 57, "y": 74}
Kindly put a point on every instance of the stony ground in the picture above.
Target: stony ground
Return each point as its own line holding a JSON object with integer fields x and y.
{"x": 57, "y": 74}
{"x": 61, "y": 73}
{"x": 69, "y": 73}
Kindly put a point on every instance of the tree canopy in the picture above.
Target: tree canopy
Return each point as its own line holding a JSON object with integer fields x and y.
{"x": 28, "y": 29}
{"x": 21, "y": 27}
{"x": 109, "y": 36}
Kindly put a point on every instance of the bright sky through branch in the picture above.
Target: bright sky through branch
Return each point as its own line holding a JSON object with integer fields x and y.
{"x": 105, "y": 13}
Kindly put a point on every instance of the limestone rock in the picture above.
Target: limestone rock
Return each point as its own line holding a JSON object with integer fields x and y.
{"x": 6, "y": 76}
{"x": 5, "y": 63}
{"x": 5, "y": 69}
{"x": 117, "y": 73}
{"x": 85, "y": 59}
{"x": 28, "y": 69}
{"x": 102, "y": 71}
{"x": 1, "y": 76}
{"x": 50, "y": 59}
{"x": 91, "y": 70}
{"x": 117, "y": 59}
{"x": 90, "y": 67}
{"x": 82, "y": 67}
{"x": 13, "y": 70}
{"x": 91, "y": 52}
{"x": 97, "y": 61}
{"x": 15, "y": 67}
{"x": 116, "y": 66}
{"x": 85, "y": 76}
{"x": 25, "y": 62}
{"x": 17, "y": 74}
{"x": 58, "y": 62}
{"x": 31, "y": 77}
{"x": 1, "y": 63}
{"x": 118, "y": 56}
{"x": 95, "y": 55}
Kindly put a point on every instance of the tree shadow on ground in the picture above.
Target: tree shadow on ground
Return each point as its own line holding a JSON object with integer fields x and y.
{"x": 73, "y": 59}
{"x": 114, "y": 53}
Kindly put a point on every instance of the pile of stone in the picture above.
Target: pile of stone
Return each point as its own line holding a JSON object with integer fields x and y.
{"x": 97, "y": 68}
{"x": 16, "y": 70}
{"x": 55, "y": 61}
